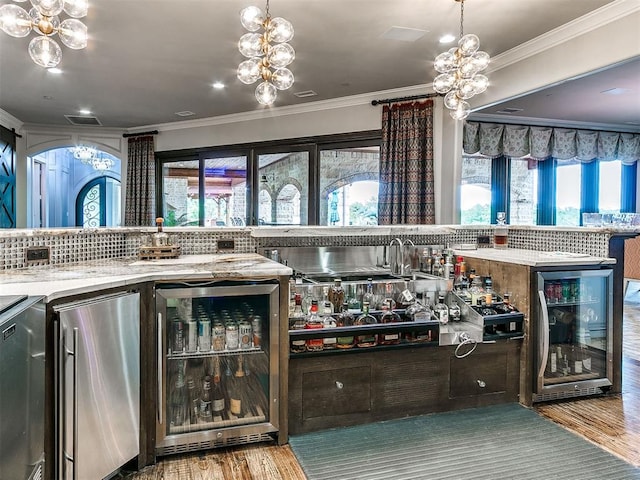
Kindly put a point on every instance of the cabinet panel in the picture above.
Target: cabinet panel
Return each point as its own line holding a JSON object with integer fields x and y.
{"x": 336, "y": 392}
{"x": 478, "y": 374}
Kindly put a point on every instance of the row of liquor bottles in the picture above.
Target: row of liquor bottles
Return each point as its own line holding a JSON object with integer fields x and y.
{"x": 214, "y": 391}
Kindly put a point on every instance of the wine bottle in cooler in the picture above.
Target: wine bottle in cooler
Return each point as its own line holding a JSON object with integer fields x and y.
{"x": 217, "y": 393}
{"x": 206, "y": 414}
{"x": 194, "y": 401}
{"x": 237, "y": 390}
{"x": 178, "y": 402}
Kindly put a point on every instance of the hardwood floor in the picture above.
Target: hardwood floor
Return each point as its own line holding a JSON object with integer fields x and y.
{"x": 611, "y": 422}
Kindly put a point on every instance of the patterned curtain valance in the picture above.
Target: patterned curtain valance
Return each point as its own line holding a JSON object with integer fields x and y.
{"x": 495, "y": 140}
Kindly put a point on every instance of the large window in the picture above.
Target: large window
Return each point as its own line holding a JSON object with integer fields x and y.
{"x": 568, "y": 194}
{"x": 610, "y": 187}
{"x": 349, "y": 186}
{"x": 523, "y": 192}
{"x": 330, "y": 180}
{"x": 475, "y": 191}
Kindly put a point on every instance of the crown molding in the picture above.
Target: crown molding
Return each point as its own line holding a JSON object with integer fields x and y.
{"x": 569, "y": 31}
{"x": 9, "y": 121}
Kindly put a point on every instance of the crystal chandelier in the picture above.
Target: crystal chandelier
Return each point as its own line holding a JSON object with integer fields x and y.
{"x": 459, "y": 69}
{"x": 90, "y": 156}
{"x": 43, "y": 19}
{"x": 266, "y": 61}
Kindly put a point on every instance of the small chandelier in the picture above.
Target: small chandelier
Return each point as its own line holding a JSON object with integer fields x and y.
{"x": 90, "y": 156}
{"x": 459, "y": 69}
{"x": 43, "y": 19}
{"x": 266, "y": 61}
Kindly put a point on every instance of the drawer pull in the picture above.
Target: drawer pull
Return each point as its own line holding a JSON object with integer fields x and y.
{"x": 340, "y": 385}
{"x": 481, "y": 383}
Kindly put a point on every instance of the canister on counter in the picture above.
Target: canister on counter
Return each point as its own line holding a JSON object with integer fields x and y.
{"x": 256, "y": 327}
{"x": 218, "y": 337}
{"x": 231, "y": 336}
{"x": 245, "y": 334}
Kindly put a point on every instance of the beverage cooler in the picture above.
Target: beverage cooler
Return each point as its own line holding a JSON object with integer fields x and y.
{"x": 573, "y": 334}
{"x": 217, "y": 365}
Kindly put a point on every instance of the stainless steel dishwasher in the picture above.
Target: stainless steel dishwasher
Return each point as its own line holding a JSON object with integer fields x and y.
{"x": 22, "y": 357}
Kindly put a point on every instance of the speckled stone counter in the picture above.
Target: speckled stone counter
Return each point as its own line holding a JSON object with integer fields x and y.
{"x": 64, "y": 280}
{"x": 534, "y": 258}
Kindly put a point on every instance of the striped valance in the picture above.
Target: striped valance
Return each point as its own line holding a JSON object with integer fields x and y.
{"x": 495, "y": 140}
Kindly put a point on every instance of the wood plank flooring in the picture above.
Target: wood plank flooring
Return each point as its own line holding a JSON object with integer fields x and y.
{"x": 611, "y": 422}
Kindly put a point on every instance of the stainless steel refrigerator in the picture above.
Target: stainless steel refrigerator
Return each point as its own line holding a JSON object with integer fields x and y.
{"x": 98, "y": 385}
{"x": 573, "y": 334}
{"x": 22, "y": 384}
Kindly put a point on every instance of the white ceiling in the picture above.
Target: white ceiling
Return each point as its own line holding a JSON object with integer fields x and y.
{"x": 149, "y": 59}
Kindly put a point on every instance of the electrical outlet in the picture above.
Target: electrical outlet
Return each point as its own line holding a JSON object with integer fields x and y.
{"x": 226, "y": 244}
{"x": 484, "y": 240}
{"x": 38, "y": 255}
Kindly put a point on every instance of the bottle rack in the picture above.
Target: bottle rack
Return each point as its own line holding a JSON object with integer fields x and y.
{"x": 498, "y": 326}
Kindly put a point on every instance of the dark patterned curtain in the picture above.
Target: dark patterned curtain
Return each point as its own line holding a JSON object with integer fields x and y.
{"x": 141, "y": 183}
{"x": 406, "y": 165}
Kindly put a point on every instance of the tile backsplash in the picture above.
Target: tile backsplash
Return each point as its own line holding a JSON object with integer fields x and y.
{"x": 72, "y": 246}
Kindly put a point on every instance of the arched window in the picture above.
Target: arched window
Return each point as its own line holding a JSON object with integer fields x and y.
{"x": 98, "y": 203}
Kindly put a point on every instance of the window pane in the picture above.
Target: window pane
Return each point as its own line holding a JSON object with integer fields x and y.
{"x": 475, "y": 191}
{"x": 523, "y": 192}
{"x": 283, "y": 196}
{"x": 349, "y": 186}
{"x": 225, "y": 192}
{"x": 610, "y": 187}
{"x": 568, "y": 190}
{"x": 180, "y": 192}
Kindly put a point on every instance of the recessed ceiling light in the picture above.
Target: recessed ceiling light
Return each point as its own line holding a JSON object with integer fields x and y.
{"x": 403, "y": 34}
{"x": 448, "y": 38}
{"x": 185, "y": 113}
{"x": 47, "y": 97}
{"x": 509, "y": 110}
{"x": 218, "y": 85}
{"x": 54, "y": 70}
{"x": 84, "y": 111}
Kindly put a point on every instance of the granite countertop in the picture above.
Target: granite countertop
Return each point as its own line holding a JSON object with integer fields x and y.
{"x": 534, "y": 258}
{"x": 54, "y": 282}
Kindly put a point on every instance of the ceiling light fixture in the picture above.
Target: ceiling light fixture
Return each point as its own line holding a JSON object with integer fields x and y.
{"x": 43, "y": 19}
{"x": 90, "y": 156}
{"x": 266, "y": 61}
{"x": 459, "y": 69}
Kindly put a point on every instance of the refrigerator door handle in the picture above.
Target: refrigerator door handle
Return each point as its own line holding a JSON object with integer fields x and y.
{"x": 70, "y": 353}
{"x": 543, "y": 341}
{"x": 160, "y": 386}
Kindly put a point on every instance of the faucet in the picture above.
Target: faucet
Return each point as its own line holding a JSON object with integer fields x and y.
{"x": 393, "y": 263}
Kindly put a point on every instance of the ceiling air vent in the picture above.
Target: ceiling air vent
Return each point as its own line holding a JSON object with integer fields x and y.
{"x": 83, "y": 120}
{"x": 305, "y": 94}
{"x": 509, "y": 110}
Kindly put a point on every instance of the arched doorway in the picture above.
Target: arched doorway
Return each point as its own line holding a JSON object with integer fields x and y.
{"x": 98, "y": 203}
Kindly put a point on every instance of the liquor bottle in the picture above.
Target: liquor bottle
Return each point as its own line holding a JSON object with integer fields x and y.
{"x": 237, "y": 389}
{"x": 313, "y": 321}
{"x": 389, "y": 316}
{"x": 328, "y": 343}
{"x": 345, "y": 319}
{"x": 336, "y": 295}
{"x": 298, "y": 345}
{"x": 552, "y": 367}
{"x": 455, "y": 314}
{"x": 352, "y": 299}
{"x": 488, "y": 290}
{"x": 367, "y": 340}
{"x": 217, "y": 394}
{"x": 441, "y": 310}
{"x": 205, "y": 400}
{"x": 306, "y": 300}
{"x": 194, "y": 401}
{"x": 475, "y": 290}
{"x": 576, "y": 360}
{"x": 160, "y": 238}
{"x": 368, "y": 296}
{"x": 178, "y": 402}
